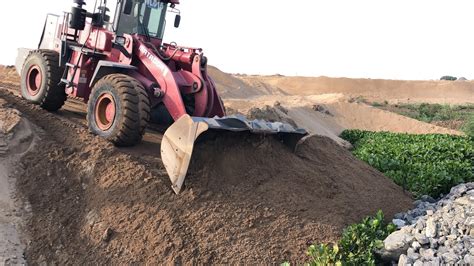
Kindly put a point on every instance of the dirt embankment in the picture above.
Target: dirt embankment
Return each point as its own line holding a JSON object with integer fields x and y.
{"x": 16, "y": 138}
{"x": 342, "y": 101}
{"x": 246, "y": 201}
{"x": 374, "y": 90}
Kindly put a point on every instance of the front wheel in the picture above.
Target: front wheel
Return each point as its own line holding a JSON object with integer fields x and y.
{"x": 118, "y": 110}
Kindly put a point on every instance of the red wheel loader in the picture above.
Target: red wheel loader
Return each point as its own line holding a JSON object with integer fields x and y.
{"x": 129, "y": 77}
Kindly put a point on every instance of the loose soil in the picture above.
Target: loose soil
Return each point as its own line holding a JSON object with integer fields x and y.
{"x": 16, "y": 138}
{"x": 248, "y": 201}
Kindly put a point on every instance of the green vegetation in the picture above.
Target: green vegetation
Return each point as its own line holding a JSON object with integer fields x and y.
{"x": 357, "y": 245}
{"x": 424, "y": 164}
{"x": 431, "y": 112}
{"x": 458, "y": 115}
{"x": 468, "y": 127}
{"x": 451, "y": 78}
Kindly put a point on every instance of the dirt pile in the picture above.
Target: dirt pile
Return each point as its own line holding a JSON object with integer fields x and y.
{"x": 8, "y": 75}
{"x": 15, "y": 138}
{"x": 230, "y": 86}
{"x": 251, "y": 200}
{"x": 275, "y": 113}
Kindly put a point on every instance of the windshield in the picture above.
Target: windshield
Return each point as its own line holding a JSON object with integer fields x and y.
{"x": 145, "y": 17}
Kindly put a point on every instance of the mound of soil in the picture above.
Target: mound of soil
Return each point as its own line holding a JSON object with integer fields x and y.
{"x": 230, "y": 86}
{"x": 277, "y": 113}
{"x": 248, "y": 201}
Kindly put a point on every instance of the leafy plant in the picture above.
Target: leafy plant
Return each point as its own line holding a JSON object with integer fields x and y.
{"x": 451, "y": 78}
{"x": 468, "y": 127}
{"x": 357, "y": 245}
{"x": 429, "y": 113}
{"x": 424, "y": 164}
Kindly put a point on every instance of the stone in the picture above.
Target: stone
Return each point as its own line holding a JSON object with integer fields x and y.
{"x": 404, "y": 260}
{"x": 468, "y": 259}
{"x": 435, "y": 262}
{"x": 431, "y": 228}
{"x": 418, "y": 263}
{"x": 399, "y": 216}
{"x": 441, "y": 240}
{"x": 107, "y": 235}
{"x": 415, "y": 245}
{"x": 422, "y": 239}
{"x": 417, "y": 203}
{"x": 427, "y": 254}
{"x": 396, "y": 240}
{"x": 412, "y": 254}
{"x": 399, "y": 223}
{"x": 427, "y": 198}
{"x": 450, "y": 257}
{"x": 429, "y": 212}
{"x": 420, "y": 224}
{"x": 395, "y": 245}
{"x": 458, "y": 190}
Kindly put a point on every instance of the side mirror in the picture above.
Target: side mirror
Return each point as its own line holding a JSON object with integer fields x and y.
{"x": 127, "y": 10}
{"x": 177, "y": 20}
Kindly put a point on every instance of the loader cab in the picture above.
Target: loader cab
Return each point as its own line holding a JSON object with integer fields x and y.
{"x": 143, "y": 17}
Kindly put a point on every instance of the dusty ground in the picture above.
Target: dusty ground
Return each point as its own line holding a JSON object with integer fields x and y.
{"x": 93, "y": 203}
{"x": 327, "y": 106}
{"x": 252, "y": 201}
{"x": 373, "y": 90}
{"x": 16, "y": 138}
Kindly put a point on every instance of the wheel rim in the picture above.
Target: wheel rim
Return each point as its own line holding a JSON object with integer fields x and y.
{"x": 33, "y": 80}
{"x": 105, "y": 111}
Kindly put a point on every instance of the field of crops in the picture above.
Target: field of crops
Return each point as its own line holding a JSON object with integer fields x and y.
{"x": 423, "y": 164}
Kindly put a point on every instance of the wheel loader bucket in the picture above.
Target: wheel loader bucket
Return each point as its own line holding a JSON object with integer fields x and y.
{"x": 178, "y": 141}
{"x": 177, "y": 147}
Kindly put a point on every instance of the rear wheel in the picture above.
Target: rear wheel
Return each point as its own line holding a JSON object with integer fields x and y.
{"x": 118, "y": 109}
{"x": 40, "y": 78}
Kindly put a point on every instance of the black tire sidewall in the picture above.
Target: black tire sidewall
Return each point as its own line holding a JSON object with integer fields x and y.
{"x": 32, "y": 60}
{"x": 104, "y": 87}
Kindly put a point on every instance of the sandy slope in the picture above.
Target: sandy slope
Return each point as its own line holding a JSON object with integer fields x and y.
{"x": 94, "y": 203}
{"x": 457, "y": 92}
{"x": 15, "y": 139}
{"x": 300, "y": 96}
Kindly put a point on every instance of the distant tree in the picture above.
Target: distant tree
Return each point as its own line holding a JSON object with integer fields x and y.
{"x": 451, "y": 78}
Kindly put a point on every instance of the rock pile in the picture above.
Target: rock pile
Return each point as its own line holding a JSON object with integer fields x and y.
{"x": 437, "y": 233}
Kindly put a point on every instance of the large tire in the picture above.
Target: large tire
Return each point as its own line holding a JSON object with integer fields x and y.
{"x": 118, "y": 109}
{"x": 40, "y": 79}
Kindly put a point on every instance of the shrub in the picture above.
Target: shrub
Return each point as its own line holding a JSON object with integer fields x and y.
{"x": 357, "y": 245}
{"x": 451, "y": 78}
{"x": 468, "y": 127}
{"x": 424, "y": 164}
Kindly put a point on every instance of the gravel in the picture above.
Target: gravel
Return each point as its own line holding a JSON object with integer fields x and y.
{"x": 436, "y": 233}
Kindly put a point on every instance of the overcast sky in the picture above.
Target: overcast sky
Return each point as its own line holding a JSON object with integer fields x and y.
{"x": 395, "y": 39}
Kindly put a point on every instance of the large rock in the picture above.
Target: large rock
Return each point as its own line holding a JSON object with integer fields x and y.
{"x": 431, "y": 228}
{"x": 396, "y": 244}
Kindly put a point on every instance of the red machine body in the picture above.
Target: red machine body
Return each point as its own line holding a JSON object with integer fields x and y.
{"x": 129, "y": 77}
{"x": 180, "y": 82}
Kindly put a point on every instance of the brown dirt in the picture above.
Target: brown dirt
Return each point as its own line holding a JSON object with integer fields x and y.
{"x": 374, "y": 90}
{"x": 230, "y": 86}
{"x": 252, "y": 201}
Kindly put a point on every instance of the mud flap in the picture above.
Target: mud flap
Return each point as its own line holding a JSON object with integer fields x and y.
{"x": 177, "y": 148}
